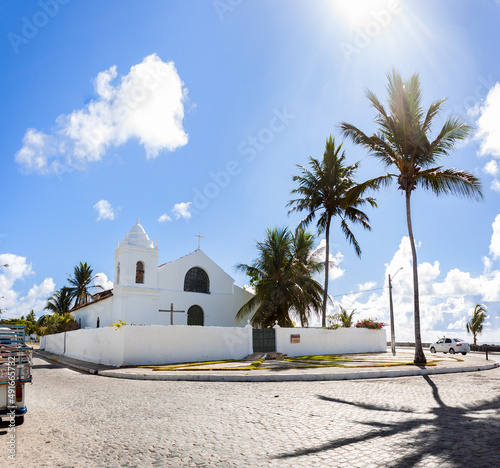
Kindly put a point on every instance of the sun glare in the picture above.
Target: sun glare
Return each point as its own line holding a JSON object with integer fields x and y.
{"x": 357, "y": 13}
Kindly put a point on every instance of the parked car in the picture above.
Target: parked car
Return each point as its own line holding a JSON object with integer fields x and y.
{"x": 450, "y": 345}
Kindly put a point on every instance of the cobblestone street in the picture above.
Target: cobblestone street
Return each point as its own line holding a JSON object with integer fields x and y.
{"x": 81, "y": 420}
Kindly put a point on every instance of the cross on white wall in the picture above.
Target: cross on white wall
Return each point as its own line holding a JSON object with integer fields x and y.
{"x": 171, "y": 310}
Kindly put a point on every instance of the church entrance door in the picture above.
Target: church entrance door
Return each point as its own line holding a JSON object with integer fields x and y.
{"x": 195, "y": 315}
{"x": 264, "y": 340}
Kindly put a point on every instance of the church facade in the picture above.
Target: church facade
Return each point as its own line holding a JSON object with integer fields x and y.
{"x": 192, "y": 290}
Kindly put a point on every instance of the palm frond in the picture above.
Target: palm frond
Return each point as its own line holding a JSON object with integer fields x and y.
{"x": 450, "y": 181}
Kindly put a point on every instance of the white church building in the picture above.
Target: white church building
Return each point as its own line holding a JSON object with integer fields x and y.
{"x": 192, "y": 290}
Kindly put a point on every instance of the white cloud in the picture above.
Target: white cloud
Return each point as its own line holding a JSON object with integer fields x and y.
{"x": 491, "y": 168}
{"x": 104, "y": 210}
{"x": 13, "y": 300}
{"x": 181, "y": 210}
{"x": 445, "y": 304}
{"x": 495, "y": 185}
{"x": 164, "y": 217}
{"x": 334, "y": 270}
{"x": 367, "y": 286}
{"x": 488, "y": 131}
{"x": 495, "y": 238}
{"x": 147, "y": 105}
{"x": 102, "y": 280}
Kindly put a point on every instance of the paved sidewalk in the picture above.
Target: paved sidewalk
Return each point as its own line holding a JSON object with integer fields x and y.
{"x": 276, "y": 371}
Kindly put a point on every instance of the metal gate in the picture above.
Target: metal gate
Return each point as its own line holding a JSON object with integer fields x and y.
{"x": 264, "y": 340}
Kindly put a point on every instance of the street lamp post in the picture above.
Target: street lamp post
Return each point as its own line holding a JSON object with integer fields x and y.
{"x": 393, "y": 339}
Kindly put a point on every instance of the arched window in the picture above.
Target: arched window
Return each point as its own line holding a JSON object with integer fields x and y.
{"x": 139, "y": 273}
{"x": 118, "y": 274}
{"x": 196, "y": 280}
{"x": 195, "y": 315}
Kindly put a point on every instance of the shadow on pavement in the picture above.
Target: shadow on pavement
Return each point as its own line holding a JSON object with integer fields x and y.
{"x": 460, "y": 436}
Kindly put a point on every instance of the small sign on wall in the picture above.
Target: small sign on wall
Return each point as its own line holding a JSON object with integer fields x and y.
{"x": 294, "y": 338}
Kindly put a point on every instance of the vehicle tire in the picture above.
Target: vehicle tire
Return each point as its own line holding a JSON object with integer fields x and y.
{"x": 433, "y": 350}
{"x": 452, "y": 351}
{"x": 464, "y": 354}
{"x": 19, "y": 420}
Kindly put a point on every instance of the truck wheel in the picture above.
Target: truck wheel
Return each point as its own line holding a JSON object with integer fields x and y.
{"x": 19, "y": 420}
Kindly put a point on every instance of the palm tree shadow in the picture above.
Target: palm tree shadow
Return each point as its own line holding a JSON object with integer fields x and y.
{"x": 457, "y": 435}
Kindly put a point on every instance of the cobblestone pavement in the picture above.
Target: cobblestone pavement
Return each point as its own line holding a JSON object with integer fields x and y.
{"x": 81, "y": 420}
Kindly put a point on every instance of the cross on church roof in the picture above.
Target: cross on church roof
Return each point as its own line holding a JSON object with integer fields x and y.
{"x": 199, "y": 236}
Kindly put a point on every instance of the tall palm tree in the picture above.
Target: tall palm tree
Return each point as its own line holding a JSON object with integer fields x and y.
{"x": 60, "y": 301}
{"x": 81, "y": 283}
{"x": 326, "y": 190}
{"x": 403, "y": 145}
{"x": 282, "y": 276}
{"x": 475, "y": 325}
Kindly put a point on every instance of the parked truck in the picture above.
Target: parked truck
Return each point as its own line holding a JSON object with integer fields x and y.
{"x": 16, "y": 360}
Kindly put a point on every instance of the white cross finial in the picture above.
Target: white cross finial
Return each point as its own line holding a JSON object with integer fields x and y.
{"x": 199, "y": 236}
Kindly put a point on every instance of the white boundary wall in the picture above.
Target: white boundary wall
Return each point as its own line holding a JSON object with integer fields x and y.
{"x": 157, "y": 344}
{"x": 314, "y": 341}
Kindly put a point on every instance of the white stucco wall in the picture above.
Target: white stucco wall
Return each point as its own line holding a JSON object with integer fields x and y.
{"x": 53, "y": 343}
{"x": 314, "y": 341}
{"x": 135, "y": 345}
{"x": 101, "y": 345}
{"x": 157, "y": 344}
{"x": 100, "y": 309}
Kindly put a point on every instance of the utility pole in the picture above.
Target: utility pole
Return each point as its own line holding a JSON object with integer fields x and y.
{"x": 393, "y": 339}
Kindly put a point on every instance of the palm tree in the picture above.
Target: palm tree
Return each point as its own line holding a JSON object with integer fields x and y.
{"x": 60, "y": 301}
{"x": 475, "y": 325}
{"x": 403, "y": 145}
{"x": 326, "y": 190}
{"x": 282, "y": 276}
{"x": 344, "y": 317}
{"x": 81, "y": 283}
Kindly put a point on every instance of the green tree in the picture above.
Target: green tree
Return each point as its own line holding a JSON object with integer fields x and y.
{"x": 81, "y": 283}
{"x": 282, "y": 276}
{"x": 60, "y": 301}
{"x": 326, "y": 190}
{"x": 403, "y": 145}
{"x": 475, "y": 325}
{"x": 55, "y": 323}
{"x": 344, "y": 317}
{"x": 30, "y": 322}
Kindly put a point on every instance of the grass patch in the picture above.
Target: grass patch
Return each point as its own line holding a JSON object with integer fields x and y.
{"x": 186, "y": 364}
{"x": 192, "y": 366}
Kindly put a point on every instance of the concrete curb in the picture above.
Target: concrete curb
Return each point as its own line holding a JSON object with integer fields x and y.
{"x": 258, "y": 376}
{"x": 270, "y": 377}
{"x": 65, "y": 362}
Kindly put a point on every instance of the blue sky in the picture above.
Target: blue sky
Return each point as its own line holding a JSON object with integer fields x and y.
{"x": 192, "y": 116}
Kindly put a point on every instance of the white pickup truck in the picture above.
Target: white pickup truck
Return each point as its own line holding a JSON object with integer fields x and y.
{"x": 15, "y": 371}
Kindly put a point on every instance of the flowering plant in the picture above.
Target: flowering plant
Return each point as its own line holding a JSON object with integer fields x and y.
{"x": 369, "y": 323}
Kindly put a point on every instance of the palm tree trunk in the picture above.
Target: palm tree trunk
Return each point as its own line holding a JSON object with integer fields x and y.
{"x": 327, "y": 264}
{"x": 419, "y": 353}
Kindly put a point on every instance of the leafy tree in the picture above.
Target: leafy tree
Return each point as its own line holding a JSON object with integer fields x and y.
{"x": 29, "y": 326}
{"x": 60, "y": 301}
{"x": 403, "y": 145}
{"x": 344, "y": 317}
{"x": 31, "y": 316}
{"x": 325, "y": 190}
{"x": 475, "y": 325}
{"x": 81, "y": 284}
{"x": 55, "y": 323}
{"x": 282, "y": 276}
